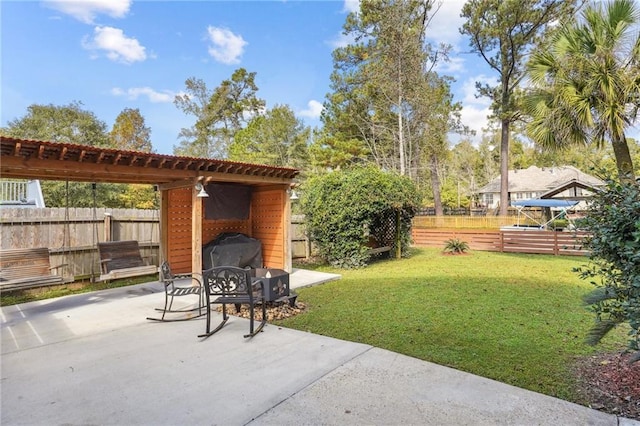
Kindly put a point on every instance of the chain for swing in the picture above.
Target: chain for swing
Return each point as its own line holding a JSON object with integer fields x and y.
{"x": 94, "y": 234}
{"x": 66, "y": 232}
{"x": 156, "y": 220}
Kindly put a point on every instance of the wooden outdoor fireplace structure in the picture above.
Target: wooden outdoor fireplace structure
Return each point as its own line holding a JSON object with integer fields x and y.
{"x": 184, "y": 226}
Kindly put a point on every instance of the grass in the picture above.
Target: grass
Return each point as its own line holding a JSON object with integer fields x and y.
{"x": 518, "y": 319}
{"x": 514, "y": 318}
{"x": 23, "y": 296}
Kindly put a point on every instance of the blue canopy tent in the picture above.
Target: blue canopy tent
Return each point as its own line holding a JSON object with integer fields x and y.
{"x": 557, "y": 210}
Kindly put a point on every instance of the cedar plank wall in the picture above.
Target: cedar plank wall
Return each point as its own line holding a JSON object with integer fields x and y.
{"x": 179, "y": 230}
{"x": 267, "y": 225}
{"x": 264, "y": 224}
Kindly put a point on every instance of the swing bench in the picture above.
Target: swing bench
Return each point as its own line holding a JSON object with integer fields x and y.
{"x": 122, "y": 259}
{"x": 27, "y": 268}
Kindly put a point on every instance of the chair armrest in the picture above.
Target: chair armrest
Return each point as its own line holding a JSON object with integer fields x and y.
{"x": 181, "y": 276}
{"x": 105, "y": 260}
{"x": 257, "y": 282}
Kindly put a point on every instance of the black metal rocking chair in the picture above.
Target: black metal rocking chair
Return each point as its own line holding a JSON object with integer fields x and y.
{"x": 230, "y": 285}
{"x": 171, "y": 291}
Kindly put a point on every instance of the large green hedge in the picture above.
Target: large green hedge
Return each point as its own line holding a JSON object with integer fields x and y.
{"x": 345, "y": 209}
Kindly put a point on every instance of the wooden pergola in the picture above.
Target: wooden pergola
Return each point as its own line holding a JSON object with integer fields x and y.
{"x": 183, "y": 226}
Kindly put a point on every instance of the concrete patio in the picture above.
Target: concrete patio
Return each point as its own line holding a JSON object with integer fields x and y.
{"x": 94, "y": 359}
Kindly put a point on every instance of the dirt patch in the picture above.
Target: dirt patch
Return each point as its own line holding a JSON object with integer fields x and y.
{"x": 609, "y": 383}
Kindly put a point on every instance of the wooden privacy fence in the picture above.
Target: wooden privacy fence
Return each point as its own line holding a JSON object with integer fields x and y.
{"x": 465, "y": 222}
{"x": 72, "y": 235}
{"x": 539, "y": 242}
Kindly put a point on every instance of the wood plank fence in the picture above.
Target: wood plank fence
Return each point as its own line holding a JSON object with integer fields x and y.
{"x": 538, "y": 242}
{"x": 71, "y": 235}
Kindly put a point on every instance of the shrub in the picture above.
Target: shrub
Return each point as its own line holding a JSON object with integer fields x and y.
{"x": 455, "y": 246}
{"x": 343, "y": 210}
{"x": 614, "y": 267}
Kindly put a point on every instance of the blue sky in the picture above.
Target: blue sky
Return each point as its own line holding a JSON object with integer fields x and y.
{"x": 117, "y": 54}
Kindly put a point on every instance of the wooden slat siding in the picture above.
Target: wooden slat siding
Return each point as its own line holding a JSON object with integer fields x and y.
{"x": 212, "y": 228}
{"x": 267, "y": 216}
{"x": 26, "y": 268}
{"x": 537, "y": 242}
{"x": 572, "y": 243}
{"x": 541, "y": 242}
{"x": 465, "y": 222}
{"x": 179, "y": 230}
{"x": 477, "y": 240}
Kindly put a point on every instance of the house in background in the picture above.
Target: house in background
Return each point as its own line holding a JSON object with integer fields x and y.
{"x": 21, "y": 193}
{"x": 563, "y": 182}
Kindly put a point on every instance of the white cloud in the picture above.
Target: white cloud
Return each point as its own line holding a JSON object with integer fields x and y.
{"x": 476, "y": 118}
{"x": 314, "y": 109}
{"x": 351, "y": 6}
{"x": 154, "y": 96}
{"x": 86, "y": 10}
{"x": 341, "y": 40}
{"x": 445, "y": 24}
{"x": 118, "y": 47}
{"x": 476, "y": 110}
{"x": 469, "y": 90}
{"x": 226, "y": 47}
{"x": 454, "y": 66}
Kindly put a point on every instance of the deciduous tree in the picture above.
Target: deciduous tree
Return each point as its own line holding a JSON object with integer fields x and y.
{"x": 275, "y": 138}
{"x": 69, "y": 123}
{"x": 130, "y": 133}
{"x": 219, "y": 113}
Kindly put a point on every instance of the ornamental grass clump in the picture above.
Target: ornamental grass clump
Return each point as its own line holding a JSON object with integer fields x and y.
{"x": 455, "y": 246}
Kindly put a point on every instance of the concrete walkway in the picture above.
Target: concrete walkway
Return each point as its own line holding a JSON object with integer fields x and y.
{"x": 94, "y": 359}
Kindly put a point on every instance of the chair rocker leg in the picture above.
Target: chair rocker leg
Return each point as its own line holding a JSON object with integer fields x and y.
{"x": 225, "y": 318}
{"x": 169, "y": 310}
{"x": 180, "y": 310}
{"x": 253, "y": 332}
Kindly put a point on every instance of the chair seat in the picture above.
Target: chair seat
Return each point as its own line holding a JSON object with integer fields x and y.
{"x": 230, "y": 285}
{"x": 183, "y": 291}
{"x": 243, "y": 300}
{"x": 171, "y": 290}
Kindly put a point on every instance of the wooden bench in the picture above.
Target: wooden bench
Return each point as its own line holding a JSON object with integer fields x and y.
{"x": 122, "y": 259}
{"x": 27, "y": 268}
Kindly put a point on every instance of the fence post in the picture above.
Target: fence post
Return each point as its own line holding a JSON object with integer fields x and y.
{"x": 107, "y": 227}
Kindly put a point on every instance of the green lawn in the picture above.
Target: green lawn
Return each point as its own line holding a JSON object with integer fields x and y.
{"x": 514, "y": 318}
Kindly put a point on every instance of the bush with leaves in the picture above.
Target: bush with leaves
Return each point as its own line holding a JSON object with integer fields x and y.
{"x": 614, "y": 268}
{"x": 343, "y": 207}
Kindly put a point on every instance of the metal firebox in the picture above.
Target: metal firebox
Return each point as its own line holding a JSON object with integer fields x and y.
{"x": 275, "y": 281}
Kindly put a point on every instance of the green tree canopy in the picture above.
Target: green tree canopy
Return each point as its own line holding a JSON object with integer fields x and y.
{"x": 276, "y": 138}
{"x": 587, "y": 82}
{"x": 69, "y": 123}
{"x": 130, "y": 133}
{"x": 219, "y": 113}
